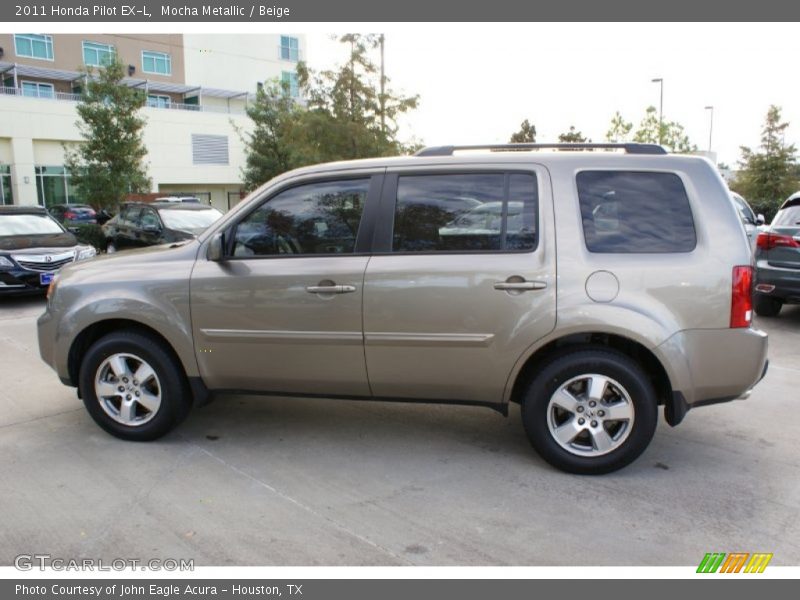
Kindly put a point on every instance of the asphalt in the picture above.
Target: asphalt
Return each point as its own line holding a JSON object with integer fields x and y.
{"x": 288, "y": 481}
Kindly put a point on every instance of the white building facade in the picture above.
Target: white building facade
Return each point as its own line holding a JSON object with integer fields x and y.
{"x": 197, "y": 86}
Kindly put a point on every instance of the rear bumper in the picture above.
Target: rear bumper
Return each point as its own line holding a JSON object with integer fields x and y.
{"x": 786, "y": 281}
{"x": 709, "y": 366}
{"x": 675, "y": 409}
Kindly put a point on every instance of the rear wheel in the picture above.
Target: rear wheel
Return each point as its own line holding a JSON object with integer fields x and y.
{"x": 766, "y": 306}
{"x": 590, "y": 411}
{"x": 133, "y": 387}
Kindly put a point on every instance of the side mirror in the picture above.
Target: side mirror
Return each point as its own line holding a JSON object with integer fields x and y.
{"x": 760, "y": 220}
{"x": 215, "y": 248}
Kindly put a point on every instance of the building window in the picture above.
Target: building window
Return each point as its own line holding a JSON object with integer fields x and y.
{"x": 157, "y": 101}
{"x": 159, "y": 63}
{"x": 6, "y": 196}
{"x": 289, "y": 81}
{"x": 97, "y": 55}
{"x": 290, "y": 48}
{"x": 36, "y": 89}
{"x": 54, "y": 186}
{"x": 34, "y": 45}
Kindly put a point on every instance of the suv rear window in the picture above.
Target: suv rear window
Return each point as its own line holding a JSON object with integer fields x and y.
{"x": 465, "y": 212}
{"x": 635, "y": 212}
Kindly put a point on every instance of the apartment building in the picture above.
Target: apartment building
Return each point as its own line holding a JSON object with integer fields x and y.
{"x": 197, "y": 87}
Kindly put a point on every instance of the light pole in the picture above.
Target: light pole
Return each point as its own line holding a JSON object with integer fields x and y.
{"x": 660, "y": 82}
{"x": 710, "y": 124}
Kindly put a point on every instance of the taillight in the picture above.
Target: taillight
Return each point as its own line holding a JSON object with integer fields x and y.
{"x": 741, "y": 297}
{"x": 69, "y": 215}
{"x": 768, "y": 241}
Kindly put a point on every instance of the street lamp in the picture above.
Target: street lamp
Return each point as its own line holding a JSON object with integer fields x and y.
{"x": 710, "y": 124}
{"x": 660, "y": 82}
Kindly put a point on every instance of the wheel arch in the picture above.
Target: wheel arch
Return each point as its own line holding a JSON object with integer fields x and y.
{"x": 628, "y": 346}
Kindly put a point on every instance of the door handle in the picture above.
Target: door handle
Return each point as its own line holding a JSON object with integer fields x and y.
{"x": 331, "y": 289}
{"x": 520, "y": 285}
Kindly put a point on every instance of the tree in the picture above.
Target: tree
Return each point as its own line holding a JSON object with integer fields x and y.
{"x": 652, "y": 130}
{"x": 765, "y": 178}
{"x": 573, "y": 137}
{"x": 344, "y": 116}
{"x": 619, "y": 130}
{"x": 347, "y": 116}
{"x": 108, "y": 165}
{"x": 269, "y": 145}
{"x": 525, "y": 135}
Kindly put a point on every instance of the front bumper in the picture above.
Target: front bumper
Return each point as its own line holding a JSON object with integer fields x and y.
{"x": 21, "y": 281}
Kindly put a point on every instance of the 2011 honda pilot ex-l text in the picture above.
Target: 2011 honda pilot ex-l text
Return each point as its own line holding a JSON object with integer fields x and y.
{"x": 591, "y": 284}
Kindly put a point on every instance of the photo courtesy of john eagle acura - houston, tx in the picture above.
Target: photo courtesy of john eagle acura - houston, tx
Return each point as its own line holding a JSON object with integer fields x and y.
{"x": 591, "y": 284}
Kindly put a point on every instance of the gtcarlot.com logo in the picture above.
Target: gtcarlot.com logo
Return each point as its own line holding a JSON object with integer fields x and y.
{"x": 735, "y": 562}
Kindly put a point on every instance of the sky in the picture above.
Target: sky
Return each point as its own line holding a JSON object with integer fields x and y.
{"x": 477, "y": 82}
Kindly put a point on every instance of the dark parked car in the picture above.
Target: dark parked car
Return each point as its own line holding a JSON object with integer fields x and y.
{"x": 778, "y": 260}
{"x": 139, "y": 224}
{"x": 33, "y": 247}
{"x": 73, "y": 215}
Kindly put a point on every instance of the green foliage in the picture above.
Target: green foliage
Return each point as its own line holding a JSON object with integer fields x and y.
{"x": 573, "y": 136}
{"x": 669, "y": 134}
{"x": 345, "y": 117}
{"x": 525, "y": 135}
{"x": 109, "y": 163}
{"x": 768, "y": 176}
{"x": 91, "y": 234}
{"x": 619, "y": 130}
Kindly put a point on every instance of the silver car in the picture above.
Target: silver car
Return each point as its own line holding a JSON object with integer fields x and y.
{"x": 595, "y": 287}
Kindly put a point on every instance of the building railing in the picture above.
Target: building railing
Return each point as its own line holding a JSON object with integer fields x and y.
{"x": 48, "y": 95}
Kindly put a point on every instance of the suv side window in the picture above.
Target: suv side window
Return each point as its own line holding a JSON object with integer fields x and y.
{"x": 465, "y": 212}
{"x": 316, "y": 218}
{"x": 630, "y": 212}
{"x": 130, "y": 216}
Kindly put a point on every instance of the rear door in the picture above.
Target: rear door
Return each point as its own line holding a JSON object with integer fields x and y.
{"x": 461, "y": 282}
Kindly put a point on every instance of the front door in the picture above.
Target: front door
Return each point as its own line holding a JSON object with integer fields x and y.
{"x": 282, "y": 312}
{"x": 462, "y": 283}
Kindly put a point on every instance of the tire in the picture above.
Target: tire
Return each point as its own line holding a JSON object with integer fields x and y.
{"x": 111, "y": 248}
{"x": 600, "y": 443}
{"x": 767, "y": 306}
{"x": 107, "y": 378}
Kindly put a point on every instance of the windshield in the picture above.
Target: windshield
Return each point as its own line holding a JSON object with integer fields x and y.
{"x": 745, "y": 212}
{"x": 189, "y": 220}
{"x": 28, "y": 225}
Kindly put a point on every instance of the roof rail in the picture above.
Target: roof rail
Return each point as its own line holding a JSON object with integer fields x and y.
{"x": 629, "y": 148}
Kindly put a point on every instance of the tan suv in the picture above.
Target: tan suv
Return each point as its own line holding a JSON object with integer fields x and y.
{"x": 589, "y": 284}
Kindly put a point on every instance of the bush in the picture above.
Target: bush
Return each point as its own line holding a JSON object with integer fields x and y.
{"x": 92, "y": 235}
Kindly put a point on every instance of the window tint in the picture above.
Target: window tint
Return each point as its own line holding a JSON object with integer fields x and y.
{"x": 149, "y": 220}
{"x": 635, "y": 212}
{"x": 318, "y": 218}
{"x": 465, "y": 212}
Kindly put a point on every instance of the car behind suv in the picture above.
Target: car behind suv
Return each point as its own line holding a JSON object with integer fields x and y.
{"x": 778, "y": 260}
{"x": 142, "y": 224}
{"x": 598, "y": 283}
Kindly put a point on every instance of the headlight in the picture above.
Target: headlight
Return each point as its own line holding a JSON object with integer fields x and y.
{"x": 85, "y": 252}
{"x": 5, "y": 263}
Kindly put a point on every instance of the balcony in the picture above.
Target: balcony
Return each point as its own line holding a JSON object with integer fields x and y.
{"x": 64, "y": 96}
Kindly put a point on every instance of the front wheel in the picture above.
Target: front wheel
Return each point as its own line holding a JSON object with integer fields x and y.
{"x": 133, "y": 387}
{"x": 590, "y": 411}
{"x": 111, "y": 248}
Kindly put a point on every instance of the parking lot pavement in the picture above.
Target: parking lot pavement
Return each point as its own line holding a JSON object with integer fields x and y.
{"x": 280, "y": 481}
